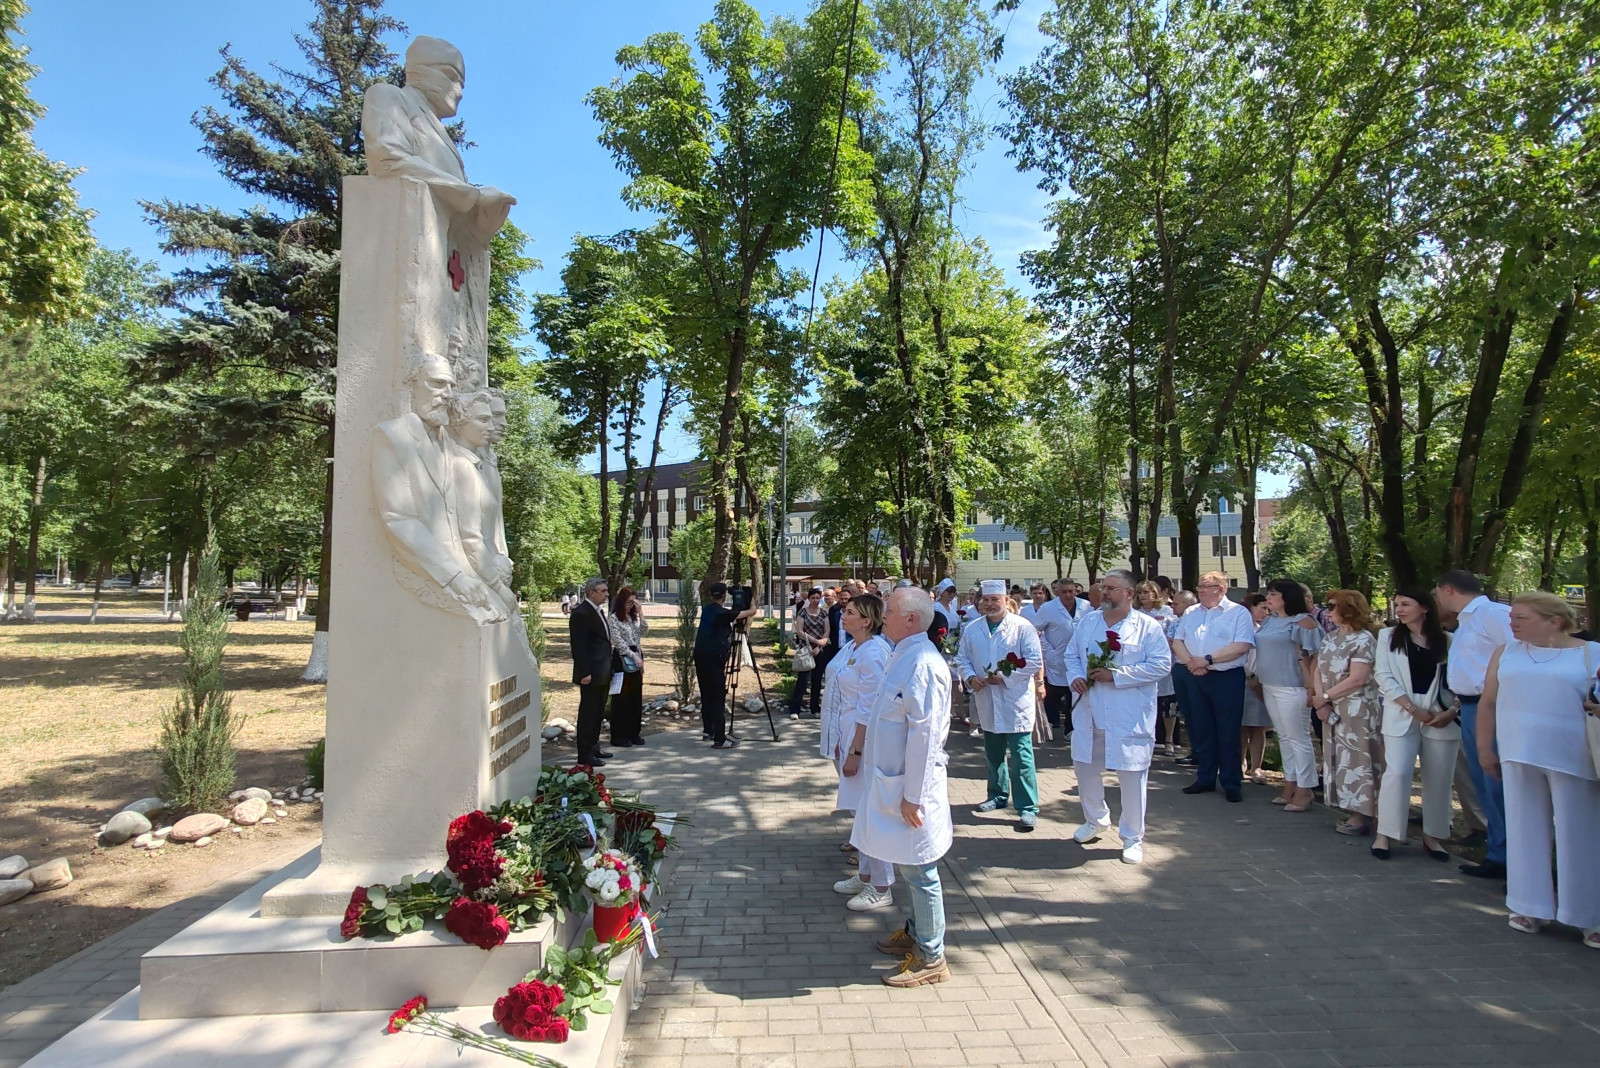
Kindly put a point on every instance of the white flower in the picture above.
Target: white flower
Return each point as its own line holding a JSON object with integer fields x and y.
{"x": 594, "y": 879}
{"x": 609, "y": 892}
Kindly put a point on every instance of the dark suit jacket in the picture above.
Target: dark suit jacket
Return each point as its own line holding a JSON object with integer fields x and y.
{"x": 591, "y": 643}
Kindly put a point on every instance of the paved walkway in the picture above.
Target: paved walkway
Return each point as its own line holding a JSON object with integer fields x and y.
{"x": 1249, "y": 937}
{"x": 45, "y": 1006}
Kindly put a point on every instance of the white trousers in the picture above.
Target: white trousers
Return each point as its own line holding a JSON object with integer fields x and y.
{"x": 1291, "y": 718}
{"x": 874, "y": 871}
{"x": 1092, "y": 792}
{"x": 1394, "y": 792}
{"x": 1542, "y": 807}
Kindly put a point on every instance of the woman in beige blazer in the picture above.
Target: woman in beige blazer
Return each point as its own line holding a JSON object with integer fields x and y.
{"x": 1419, "y": 718}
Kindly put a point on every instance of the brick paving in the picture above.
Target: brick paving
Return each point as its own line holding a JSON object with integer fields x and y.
{"x": 1249, "y": 937}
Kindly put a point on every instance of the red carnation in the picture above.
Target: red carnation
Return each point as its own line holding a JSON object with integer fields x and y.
{"x": 478, "y": 922}
{"x": 1113, "y": 641}
{"x": 351, "y": 927}
{"x": 406, "y": 1013}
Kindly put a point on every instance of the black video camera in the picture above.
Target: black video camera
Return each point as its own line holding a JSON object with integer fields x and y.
{"x": 740, "y": 597}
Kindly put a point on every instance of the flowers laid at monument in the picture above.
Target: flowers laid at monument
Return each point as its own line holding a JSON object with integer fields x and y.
{"x": 558, "y": 998}
{"x": 415, "y": 1015}
{"x": 517, "y": 862}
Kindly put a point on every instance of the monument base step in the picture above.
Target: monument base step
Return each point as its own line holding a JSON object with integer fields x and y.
{"x": 118, "y": 1037}
{"x": 237, "y": 962}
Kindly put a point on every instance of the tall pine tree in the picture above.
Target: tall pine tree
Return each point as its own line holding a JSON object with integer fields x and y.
{"x": 252, "y": 360}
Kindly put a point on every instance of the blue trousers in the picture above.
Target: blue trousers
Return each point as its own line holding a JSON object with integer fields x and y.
{"x": 1216, "y": 709}
{"x": 927, "y": 907}
{"x": 1491, "y": 791}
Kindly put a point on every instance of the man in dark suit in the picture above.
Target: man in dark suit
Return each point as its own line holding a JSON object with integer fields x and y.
{"x": 590, "y": 638}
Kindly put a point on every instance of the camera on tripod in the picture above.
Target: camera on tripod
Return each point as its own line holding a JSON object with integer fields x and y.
{"x": 741, "y": 597}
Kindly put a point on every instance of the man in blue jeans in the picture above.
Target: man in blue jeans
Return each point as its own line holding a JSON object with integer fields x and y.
{"x": 1214, "y": 637}
{"x": 904, "y": 815}
{"x": 1482, "y": 626}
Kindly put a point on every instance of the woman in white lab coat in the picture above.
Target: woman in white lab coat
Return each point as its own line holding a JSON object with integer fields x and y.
{"x": 853, "y": 677}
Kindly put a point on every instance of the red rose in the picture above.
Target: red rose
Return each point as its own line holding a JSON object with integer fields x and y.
{"x": 556, "y": 1030}
{"x": 478, "y": 922}
{"x": 406, "y": 1013}
{"x": 351, "y": 926}
{"x": 1113, "y": 642}
{"x": 661, "y": 842}
{"x": 526, "y": 1012}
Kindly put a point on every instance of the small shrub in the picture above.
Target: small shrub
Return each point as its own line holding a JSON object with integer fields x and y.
{"x": 314, "y": 763}
{"x": 197, "y": 732}
{"x": 683, "y": 649}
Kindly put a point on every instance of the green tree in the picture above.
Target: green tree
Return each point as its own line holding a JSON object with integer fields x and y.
{"x": 197, "y": 733}
{"x": 261, "y": 323}
{"x": 737, "y": 154}
{"x": 45, "y": 241}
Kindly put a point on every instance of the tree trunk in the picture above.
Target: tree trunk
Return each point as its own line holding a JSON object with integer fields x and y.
{"x": 1552, "y": 541}
{"x": 9, "y": 580}
{"x": 1500, "y": 322}
{"x": 35, "y": 522}
{"x": 722, "y": 457}
{"x": 1386, "y": 405}
{"x": 1515, "y": 472}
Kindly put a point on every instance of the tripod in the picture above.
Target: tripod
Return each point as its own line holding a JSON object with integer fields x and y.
{"x": 741, "y": 650}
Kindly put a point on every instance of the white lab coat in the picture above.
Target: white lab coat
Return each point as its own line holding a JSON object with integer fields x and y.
{"x": 857, "y": 678}
{"x": 828, "y": 737}
{"x": 1005, "y": 707}
{"x": 1124, "y": 708}
{"x": 1055, "y": 626}
{"x": 904, "y": 759}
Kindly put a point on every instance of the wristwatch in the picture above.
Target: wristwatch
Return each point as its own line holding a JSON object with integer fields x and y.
{"x": 855, "y": 752}
{"x": 1209, "y": 660}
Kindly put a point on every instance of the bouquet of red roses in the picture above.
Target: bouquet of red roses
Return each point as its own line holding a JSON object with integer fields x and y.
{"x": 1009, "y": 663}
{"x": 415, "y": 1015}
{"x": 1107, "y": 656}
{"x": 528, "y": 1011}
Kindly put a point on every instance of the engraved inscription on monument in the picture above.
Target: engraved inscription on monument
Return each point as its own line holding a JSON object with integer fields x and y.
{"x": 499, "y": 715}
{"x": 509, "y": 757}
{"x": 501, "y": 737}
{"x": 501, "y": 688}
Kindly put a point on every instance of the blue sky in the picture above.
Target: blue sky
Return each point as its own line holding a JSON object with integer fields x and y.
{"x": 121, "y": 80}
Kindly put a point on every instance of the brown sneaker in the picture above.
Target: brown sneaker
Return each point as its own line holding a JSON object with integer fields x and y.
{"x": 898, "y": 944}
{"x": 918, "y": 973}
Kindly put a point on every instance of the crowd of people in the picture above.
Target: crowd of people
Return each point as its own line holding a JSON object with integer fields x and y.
{"x": 1498, "y": 703}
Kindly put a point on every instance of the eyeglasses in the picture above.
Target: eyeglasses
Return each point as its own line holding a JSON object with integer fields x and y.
{"x": 1211, "y": 586}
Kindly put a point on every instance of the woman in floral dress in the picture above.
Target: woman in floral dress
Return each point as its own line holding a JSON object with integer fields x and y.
{"x": 1349, "y": 703}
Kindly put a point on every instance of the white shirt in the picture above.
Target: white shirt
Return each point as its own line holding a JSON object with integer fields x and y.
{"x": 904, "y": 759}
{"x": 1055, "y": 626}
{"x": 1125, "y": 708}
{"x": 1204, "y": 630}
{"x": 1484, "y": 626}
{"x": 1005, "y": 707}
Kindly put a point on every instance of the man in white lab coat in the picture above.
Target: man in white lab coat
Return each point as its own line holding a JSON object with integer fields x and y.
{"x": 1055, "y": 624}
{"x": 1114, "y": 720}
{"x": 904, "y": 815}
{"x": 1000, "y": 660}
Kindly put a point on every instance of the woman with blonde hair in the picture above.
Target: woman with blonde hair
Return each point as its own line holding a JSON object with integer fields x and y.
{"x": 852, "y": 679}
{"x": 1535, "y": 696}
{"x": 1347, "y": 701}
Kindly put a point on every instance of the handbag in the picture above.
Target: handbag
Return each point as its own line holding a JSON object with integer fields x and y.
{"x": 804, "y": 658}
{"x": 629, "y": 664}
{"x": 1591, "y": 723}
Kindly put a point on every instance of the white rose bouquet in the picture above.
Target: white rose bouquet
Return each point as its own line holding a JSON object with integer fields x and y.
{"x": 611, "y": 878}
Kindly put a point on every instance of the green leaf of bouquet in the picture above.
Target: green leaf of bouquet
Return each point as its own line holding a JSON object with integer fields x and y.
{"x": 392, "y": 924}
{"x": 603, "y": 1007}
{"x": 578, "y": 1023}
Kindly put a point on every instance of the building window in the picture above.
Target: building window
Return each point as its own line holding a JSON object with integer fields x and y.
{"x": 808, "y": 555}
{"x": 1173, "y": 551}
{"x": 970, "y": 554}
{"x": 1225, "y": 545}
{"x": 661, "y": 585}
{"x": 1030, "y": 551}
{"x": 805, "y": 524}
{"x": 1002, "y": 550}
{"x": 1233, "y": 581}
{"x": 972, "y": 517}
{"x": 663, "y": 560}
{"x": 1222, "y": 505}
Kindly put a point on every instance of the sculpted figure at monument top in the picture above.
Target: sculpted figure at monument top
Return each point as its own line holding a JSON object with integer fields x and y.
{"x": 418, "y": 504}
{"x": 404, "y": 134}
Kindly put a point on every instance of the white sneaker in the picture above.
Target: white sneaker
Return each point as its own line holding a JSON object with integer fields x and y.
{"x": 870, "y": 898}
{"x": 852, "y": 885}
{"x": 1133, "y": 853}
{"x": 976, "y": 732}
{"x": 1089, "y": 832}
{"x": 1028, "y": 821}
{"x": 794, "y": 715}
{"x": 990, "y": 805}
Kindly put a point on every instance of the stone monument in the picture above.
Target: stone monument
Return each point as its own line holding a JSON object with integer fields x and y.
{"x": 433, "y": 696}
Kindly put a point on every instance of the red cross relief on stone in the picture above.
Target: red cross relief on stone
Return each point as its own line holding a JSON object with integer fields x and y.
{"x": 457, "y": 275}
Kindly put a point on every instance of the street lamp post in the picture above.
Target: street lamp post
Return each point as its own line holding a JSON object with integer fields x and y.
{"x": 783, "y": 529}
